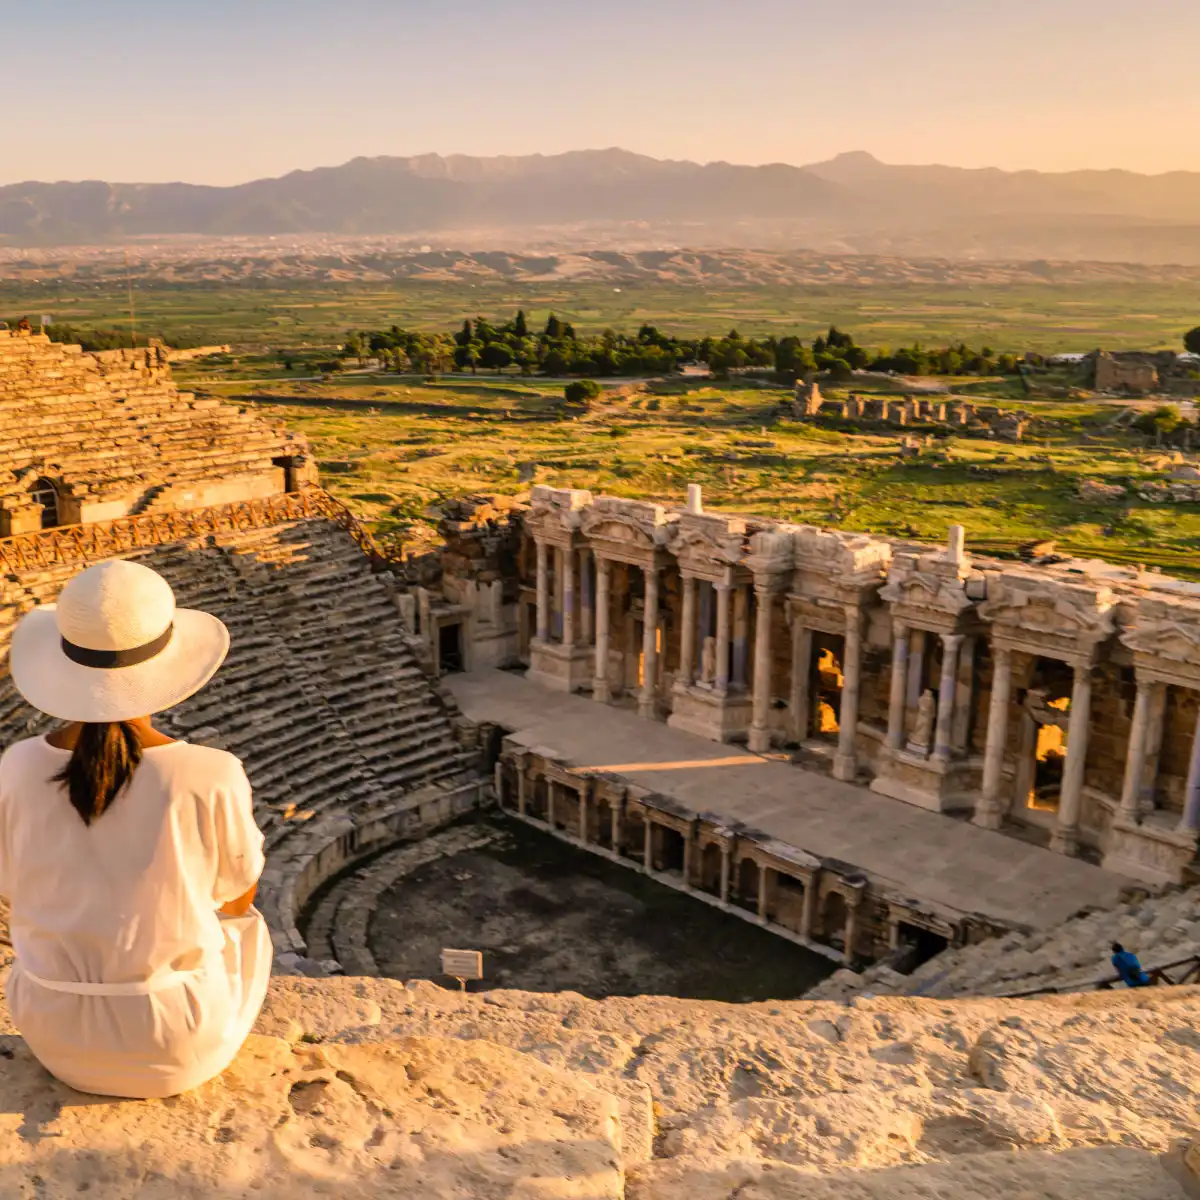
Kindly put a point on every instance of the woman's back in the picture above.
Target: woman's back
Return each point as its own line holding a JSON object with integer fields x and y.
{"x": 127, "y": 979}
{"x": 134, "y": 891}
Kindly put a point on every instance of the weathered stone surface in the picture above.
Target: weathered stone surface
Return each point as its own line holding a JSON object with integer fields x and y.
{"x": 375, "y": 1088}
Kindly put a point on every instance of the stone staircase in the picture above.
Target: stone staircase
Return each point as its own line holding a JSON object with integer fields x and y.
{"x": 321, "y": 697}
{"x": 1074, "y": 956}
{"x": 145, "y": 441}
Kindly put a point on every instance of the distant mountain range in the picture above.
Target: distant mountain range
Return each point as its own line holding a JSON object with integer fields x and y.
{"x": 852, "y": 203}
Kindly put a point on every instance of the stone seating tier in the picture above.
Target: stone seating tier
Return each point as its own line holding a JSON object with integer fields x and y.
{"x": 321, "y": 695}
{"x": 146, "y": 441}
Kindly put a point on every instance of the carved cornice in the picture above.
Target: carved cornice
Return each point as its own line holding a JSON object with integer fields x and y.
{"x": 924, "y": 592}
{"x": 1165, "y": 639}
{"x": 1049, "y": 616}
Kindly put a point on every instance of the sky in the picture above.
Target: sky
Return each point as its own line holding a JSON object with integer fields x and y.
{"x": 224, "y": 91}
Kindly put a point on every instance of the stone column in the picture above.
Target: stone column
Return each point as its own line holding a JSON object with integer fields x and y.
{"x": 760, "y": 732}
{"x": 647, "y": 704}
{"x": 916, "y": 667}
{"x": 556, "y": 606}
{"x": 615, "y": 815}
{"x": 543, "y": 592}
{"x": 845, "y": 762}
{"x": 850, "y": 935}
{"x": 1155, "y": 728}
{"x": 522, "y": 787}
{"x": 1135, "y": 758}
{"x": 587, "y": 615}
{"x": 946, "y": 689}
{"x": 989, "y": 810}
{"x": 647, "y": 844}
{"x": 687, "y": 635}
{"x": 687, "y": 856}
{"x": 724, "y": 874}
{"x": 550, "y": 788}
{"x": 965, "y": 697}
{"x": 808, "y": 914}
{"x": 762, "y": 894}
{"x": 801, "y": 666}
{"x": 721, "y": 680}
{"x": 600, "y": 689}
{"x": 741, "y": 629}
{"x": 567, "y": 561}
{"x": 1065, "y": 839}
{"x": 584, "y": 789}
{"x": 1190, "y": 821}
{"x": 897, "y": 695}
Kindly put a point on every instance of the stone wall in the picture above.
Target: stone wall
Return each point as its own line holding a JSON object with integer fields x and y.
{"x": 960, "y": 729}
{"x": 1125, "y": 374}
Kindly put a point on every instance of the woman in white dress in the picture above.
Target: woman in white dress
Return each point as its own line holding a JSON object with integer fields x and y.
{"x": 130, "y": 861}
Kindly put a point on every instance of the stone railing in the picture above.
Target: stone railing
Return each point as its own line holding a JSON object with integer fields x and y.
{"x": 1183, "y": 970}
{"x": 102, "y": 539}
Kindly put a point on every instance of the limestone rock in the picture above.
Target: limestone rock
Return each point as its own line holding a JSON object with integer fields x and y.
{"x": 414, "y": 1117}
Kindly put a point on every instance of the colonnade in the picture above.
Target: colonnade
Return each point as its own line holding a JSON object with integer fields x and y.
{"x": 725, "y": 670}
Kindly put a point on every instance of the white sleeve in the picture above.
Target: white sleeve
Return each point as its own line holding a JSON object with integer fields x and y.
{"x": 5, "y": 881}
{"x": 239, "y": 841}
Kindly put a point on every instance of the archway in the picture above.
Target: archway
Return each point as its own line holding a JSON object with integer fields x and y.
{"x": 45, "y": 495}
{"x": 747, "y": 885}
{"x": 833, "y": 919}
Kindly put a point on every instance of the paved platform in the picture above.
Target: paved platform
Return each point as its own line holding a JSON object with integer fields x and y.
{"x": 924, "y": 855}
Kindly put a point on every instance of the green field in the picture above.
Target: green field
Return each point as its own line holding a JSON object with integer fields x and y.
{"x": 393, "y": 449}
{"x": 256, "y": 316}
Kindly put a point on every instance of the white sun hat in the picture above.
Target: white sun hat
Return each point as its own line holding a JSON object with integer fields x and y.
{"x": 114, "y": 647}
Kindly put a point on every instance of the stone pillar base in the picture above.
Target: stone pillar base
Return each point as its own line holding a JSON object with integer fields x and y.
{"x": 1149, "y": 853}
{"x": 845, "y": 767}
{"x": 601, "y": 692}
{"x": 720, "y": 717}
{"x": 1065, "y": 841}
{"x": 561, "y": 668}
{"x": 931, "y": 783}
{"x": 759, "y": 741}
{"x": 988, "y": 815}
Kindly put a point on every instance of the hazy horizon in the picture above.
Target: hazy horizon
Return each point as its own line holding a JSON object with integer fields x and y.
{"x": 142, "y": 91}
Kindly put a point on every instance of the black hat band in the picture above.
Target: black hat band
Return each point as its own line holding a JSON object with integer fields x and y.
{"x": 107, "y": 660}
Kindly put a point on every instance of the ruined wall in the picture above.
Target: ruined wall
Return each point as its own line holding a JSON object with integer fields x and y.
{"x": 1124, "y": 374}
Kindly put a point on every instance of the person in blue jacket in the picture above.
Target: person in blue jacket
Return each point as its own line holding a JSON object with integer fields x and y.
{"x": 1128, "y": 967}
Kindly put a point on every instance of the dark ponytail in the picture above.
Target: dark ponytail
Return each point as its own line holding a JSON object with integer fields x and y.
{"x": 101, "y": 766}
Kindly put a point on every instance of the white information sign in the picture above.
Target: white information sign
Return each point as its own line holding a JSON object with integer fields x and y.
{"x": 462, "y": 964}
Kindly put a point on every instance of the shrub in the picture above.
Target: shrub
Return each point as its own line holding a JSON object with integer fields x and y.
{"x": 579, "y": 393}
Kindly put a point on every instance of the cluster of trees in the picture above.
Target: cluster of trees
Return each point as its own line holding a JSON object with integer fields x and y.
{"x": 558, "y": 349}
{"x": 102, "y": 339}
{"x": 1191, "y": 340}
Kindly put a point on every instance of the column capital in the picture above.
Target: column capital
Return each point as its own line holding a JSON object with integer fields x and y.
{"x": 900, "y": 627}
{"x": 768, "y": 585}
{"x": 953, "y": 640}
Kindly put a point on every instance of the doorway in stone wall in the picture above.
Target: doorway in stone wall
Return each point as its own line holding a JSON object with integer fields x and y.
{"x": 1043, "y": 743}
{"x": 450, "y": 647}
{"x": 45, "y": 495}
{"x": 825, "y": 686}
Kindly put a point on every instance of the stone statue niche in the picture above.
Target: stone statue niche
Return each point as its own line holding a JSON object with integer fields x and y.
{"x": 922, "y": 734}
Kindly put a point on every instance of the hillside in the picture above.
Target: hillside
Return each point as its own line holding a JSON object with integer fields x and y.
{"x": 851, "y": 204}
